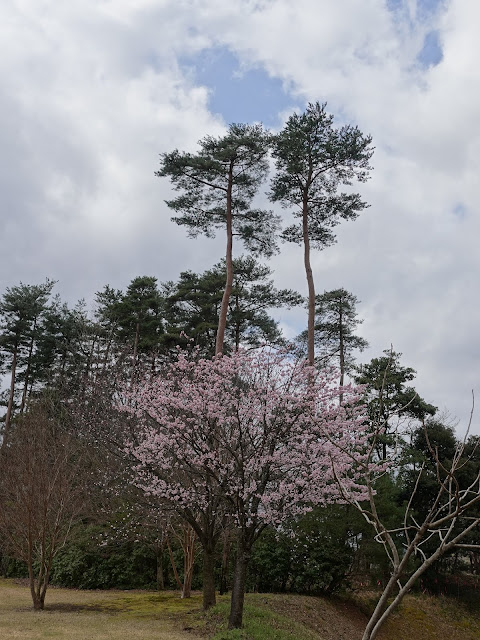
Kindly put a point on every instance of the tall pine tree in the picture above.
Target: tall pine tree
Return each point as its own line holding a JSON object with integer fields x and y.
{"x": 313, "y": 159}
{"x": 217, "y": 186}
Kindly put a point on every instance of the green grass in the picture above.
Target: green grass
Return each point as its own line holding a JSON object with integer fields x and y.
{"x": 259, "y": 623}
{"x": 71, "y": 614}
{"x": 146, "y": 615}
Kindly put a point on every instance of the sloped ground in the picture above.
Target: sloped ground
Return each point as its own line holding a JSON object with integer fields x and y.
{"x": 329, "y": 619}
{"x": 419, "y": 618}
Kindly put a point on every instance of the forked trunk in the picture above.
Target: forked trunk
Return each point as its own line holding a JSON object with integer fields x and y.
{"x": 378, "y": 616}
{"x": 384, "y": 609}
{"x": 38, "y": 588}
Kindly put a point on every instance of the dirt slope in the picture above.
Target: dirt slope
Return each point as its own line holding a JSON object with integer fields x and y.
{"x": 420, "y": 618}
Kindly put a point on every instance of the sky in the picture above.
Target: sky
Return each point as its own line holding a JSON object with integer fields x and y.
{"x": 93, "y": 91}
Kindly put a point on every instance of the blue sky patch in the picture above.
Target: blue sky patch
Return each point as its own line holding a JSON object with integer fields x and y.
{"x": 460, "y": 211}
{"x": 431, "y": 53}
{"x": 240, "y": 94}
{"x": 425, "y": 8}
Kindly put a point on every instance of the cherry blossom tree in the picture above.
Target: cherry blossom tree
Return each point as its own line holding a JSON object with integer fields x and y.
{"x": 247, "y": 438}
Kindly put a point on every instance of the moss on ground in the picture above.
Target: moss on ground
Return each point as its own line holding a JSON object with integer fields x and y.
{"x": 145, "y": 615}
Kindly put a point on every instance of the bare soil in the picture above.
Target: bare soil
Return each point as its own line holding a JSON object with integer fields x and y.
{"x": 420, "y": 617}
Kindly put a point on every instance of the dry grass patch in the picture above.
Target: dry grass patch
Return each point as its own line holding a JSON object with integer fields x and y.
{"x": 100, "y": 615}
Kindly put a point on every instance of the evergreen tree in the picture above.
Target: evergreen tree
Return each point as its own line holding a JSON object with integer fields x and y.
{"x": 217, "y": 187}
{"x": 335, "y": 323}
{"x": 21, "y": 311}
{"x": 107, "y": 315}
{"x": 252, "y": 297}
{"x": 139, "y": 314}
{"x": 192, "y": 306}
{"x": 66, "y": 347}
{"x": 313, "y": 158}
{"x": 388, "y": 395}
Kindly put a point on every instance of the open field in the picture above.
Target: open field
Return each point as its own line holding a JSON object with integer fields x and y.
{"x": 98, "y": 615}
{"x": 145, "y": 615}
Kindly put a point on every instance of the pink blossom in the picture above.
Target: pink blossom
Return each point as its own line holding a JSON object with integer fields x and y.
{"x": 261, "y": 432}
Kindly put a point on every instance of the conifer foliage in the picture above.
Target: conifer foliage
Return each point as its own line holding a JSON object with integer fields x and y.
{"x": 313, "y": 160}
{"x": 217, "y": 186}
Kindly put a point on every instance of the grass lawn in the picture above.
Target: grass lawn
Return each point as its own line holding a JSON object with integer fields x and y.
{"x": 146, "y": 615}
{"x": 97, "y": 615}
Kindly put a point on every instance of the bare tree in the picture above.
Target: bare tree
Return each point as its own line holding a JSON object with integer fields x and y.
{"x": 186, "y": 536}
{"x": 42, "y": 493}
{"x": 425, "y": 535}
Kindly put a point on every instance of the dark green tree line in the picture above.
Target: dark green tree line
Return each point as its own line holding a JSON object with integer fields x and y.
{"x": 22, "y": 310}
{"x": 192, "y": 306}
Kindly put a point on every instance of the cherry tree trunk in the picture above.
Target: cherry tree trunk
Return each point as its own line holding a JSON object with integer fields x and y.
{"x": 238, "y": 589}
{"x": 209, "y": 599}
{"x": 225, "y": 562}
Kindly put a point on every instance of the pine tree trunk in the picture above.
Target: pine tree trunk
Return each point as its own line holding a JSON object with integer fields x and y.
{"x": 135, "y": 345}
{"x": 342, "y": 352}
{"x": 237, "y": 324}
{"x": 311, "y": 286}
{"x": 222, "y": 320}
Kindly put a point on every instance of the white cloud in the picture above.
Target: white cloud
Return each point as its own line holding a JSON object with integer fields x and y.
{"x": 93, "y": 91}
